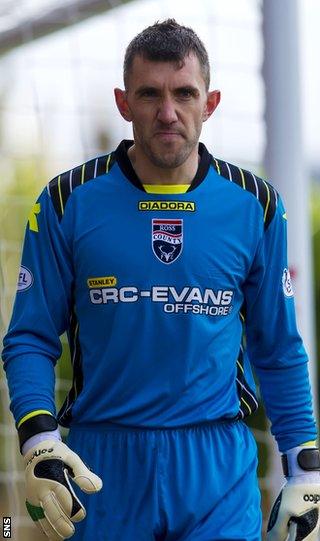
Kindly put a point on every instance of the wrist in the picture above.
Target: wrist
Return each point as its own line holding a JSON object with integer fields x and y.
{"x": 34, "y": 423}
{"x": 301, "y": 461}
{"x": 38, "y": 438}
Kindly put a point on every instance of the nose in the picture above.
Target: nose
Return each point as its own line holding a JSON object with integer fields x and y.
{"x": 167, "y": 113}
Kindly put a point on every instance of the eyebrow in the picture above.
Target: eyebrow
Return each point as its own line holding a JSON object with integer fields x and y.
{"x": 143, "y": 88}
{"x": 194, "y": 90}
{"x": 190, "y": 88}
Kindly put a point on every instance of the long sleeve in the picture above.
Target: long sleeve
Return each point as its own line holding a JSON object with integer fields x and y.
{"x": 40, "y": 315}
{"x": 274, "y": 345}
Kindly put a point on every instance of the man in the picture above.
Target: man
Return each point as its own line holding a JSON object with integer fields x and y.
{"x": 157, "y": 259}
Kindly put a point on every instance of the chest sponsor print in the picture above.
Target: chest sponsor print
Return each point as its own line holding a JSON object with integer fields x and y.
{"x": 167, "y": 239}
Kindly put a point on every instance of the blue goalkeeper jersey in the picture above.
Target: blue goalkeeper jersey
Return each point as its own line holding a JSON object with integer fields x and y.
{"x": 168, "y": 302}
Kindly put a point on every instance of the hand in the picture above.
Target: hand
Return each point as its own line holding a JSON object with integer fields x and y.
{"x": 296, "y": 511}
{"x": 51, "y": 501}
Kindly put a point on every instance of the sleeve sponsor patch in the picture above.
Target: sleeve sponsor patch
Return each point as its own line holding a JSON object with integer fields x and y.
{"x": 25, "y": 279}
{"x": 287, "y": 283}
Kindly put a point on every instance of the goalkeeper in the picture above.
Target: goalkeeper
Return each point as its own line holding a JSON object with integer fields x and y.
{"x": 157, "y": 259}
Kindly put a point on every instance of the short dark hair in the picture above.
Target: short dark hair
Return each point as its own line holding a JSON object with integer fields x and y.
{"x": 167, "y": 42}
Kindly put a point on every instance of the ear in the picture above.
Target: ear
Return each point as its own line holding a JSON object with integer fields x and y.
{"x": 213, "y": 100}
{"x": 122, "y": 104}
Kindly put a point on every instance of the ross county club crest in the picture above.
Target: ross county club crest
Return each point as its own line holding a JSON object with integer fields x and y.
{"x": 167, "y": 237}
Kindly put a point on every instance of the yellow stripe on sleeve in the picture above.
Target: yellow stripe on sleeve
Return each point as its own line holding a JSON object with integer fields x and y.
{"x": 241, "y": 368}
{"x": 60, "y": 194}
{"x": 108, "y": 161}
{"x": 218, "y": 168}
{"x": 82, "y": 173}
{"x": 268, "y": 201}
{"x": 309, "y": 444}
{"x": 246, "y": 403}
{"x": 242, "y": 178}
{"x": 33, "y": 414}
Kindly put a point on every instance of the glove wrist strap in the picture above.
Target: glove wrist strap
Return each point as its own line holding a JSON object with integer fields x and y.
{"x": 300, "y": 460}
{"x": 43, "y": 422}
{"x": 37, "y": 438}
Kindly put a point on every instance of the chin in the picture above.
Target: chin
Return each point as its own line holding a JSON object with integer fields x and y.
{"x": 169, "y": 160}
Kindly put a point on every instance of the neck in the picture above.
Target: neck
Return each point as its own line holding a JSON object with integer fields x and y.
{"x": 149, "y": 173}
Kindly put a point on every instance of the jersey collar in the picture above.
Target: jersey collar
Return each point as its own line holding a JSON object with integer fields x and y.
{"x": 121, "y": 155}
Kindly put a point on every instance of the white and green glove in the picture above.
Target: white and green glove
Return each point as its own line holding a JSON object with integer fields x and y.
{"x": 51, "y": 501}
{"x": 295, "y": 515}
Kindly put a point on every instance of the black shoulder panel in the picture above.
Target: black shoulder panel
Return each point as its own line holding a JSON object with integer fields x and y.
{"x": 65, "y": 413}
{"x": 63, "y": 185}
{"x": 261, "y": 189}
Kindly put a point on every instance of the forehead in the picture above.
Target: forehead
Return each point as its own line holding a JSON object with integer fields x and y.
{"x": 171, "y": 74}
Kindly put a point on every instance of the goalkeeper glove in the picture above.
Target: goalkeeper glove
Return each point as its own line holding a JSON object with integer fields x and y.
{"x": 296, "y": 511}
{"x": 51, "y": 501}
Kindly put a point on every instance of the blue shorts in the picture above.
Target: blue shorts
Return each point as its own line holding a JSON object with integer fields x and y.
{"x": 188, "y": 484}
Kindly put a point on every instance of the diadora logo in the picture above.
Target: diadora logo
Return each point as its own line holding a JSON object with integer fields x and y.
{"x": 315, "y": 498}
{"x": 167, "y": 239}
{"x": 185, "y": 206}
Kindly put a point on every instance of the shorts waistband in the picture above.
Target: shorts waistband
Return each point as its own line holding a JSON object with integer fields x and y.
{"x": 116, "y": 427}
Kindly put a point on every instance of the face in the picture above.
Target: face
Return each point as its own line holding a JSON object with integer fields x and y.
{"x": 167, "y": 106}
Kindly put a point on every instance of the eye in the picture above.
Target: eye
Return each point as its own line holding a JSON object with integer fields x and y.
{"x": 185, "y": 93}
{"x": 148, "y": 93}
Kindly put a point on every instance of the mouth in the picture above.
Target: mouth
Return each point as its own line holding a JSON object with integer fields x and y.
{"x": 168, "y": 134}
